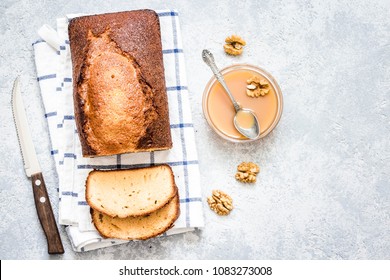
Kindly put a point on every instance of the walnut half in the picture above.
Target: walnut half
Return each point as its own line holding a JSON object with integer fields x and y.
{"x": 247, "y": 171}
{"x": 234, "y": 45}
{"x": 257, "y": 87}
{"x": 220, "y": 202}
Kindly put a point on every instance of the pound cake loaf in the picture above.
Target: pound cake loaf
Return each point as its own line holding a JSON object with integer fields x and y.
{"x": 137, "y": 228}
{"x": 130, "y": 192}
{"x": 119, "y": 91}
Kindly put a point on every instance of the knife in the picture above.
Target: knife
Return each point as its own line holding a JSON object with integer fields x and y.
{"x": 33, "y": 171}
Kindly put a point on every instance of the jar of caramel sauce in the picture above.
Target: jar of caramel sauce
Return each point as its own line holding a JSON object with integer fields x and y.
{"x": 218, "y": 108}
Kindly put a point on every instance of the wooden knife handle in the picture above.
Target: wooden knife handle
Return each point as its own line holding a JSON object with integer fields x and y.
{"x": 45, "y": 215}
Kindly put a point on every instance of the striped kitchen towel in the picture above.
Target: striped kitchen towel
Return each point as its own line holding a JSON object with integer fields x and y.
{"x": 54, "y": 74}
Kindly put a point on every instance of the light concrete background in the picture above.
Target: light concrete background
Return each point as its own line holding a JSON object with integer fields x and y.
{"x": 324, "y": 187}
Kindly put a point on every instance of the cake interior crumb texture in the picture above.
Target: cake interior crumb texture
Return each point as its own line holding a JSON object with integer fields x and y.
{"x": 120, "y": 98}
{"x": 130, "y": 192}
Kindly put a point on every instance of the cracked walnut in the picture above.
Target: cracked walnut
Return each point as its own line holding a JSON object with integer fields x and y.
{"x": 220, "y": 202}
{"x": 247, "y": 171}
{"x": 234, "y": 45}
{"x": 257, "y": 87}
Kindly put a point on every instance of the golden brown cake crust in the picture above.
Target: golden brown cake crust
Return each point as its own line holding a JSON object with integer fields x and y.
{"x": 120, "y": 98}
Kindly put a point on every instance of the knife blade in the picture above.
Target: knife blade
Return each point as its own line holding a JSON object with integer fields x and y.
{"x": 33, "y": 171}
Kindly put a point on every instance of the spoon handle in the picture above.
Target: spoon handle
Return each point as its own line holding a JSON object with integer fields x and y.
{"x": 208, "y": 58}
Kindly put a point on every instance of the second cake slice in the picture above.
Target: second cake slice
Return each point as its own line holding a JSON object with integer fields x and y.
{"x": 140, "y": 227}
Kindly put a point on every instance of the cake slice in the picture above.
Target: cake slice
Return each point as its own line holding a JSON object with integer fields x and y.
{"x": 130, "y": 192}
{"x": 137, "y": 228}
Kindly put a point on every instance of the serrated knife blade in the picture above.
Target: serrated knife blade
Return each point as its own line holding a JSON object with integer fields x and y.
{"x": 33, "y": 170}
{"x": 30, "y": 160}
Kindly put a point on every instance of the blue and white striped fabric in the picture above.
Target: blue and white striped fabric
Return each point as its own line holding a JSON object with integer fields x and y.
{"x": 54, "y": 74}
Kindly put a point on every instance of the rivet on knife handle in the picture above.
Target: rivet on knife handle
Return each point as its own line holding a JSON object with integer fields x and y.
{"x": 45, "y": 214}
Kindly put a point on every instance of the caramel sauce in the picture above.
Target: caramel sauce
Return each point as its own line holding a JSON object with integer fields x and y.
{"x": 221, "y": 111}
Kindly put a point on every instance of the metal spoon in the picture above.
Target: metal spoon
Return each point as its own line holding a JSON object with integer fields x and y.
{"x": 245, "y": 120}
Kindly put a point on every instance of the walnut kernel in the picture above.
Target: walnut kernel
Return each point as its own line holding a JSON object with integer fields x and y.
{"x": 234, "y": 45}
{"x": 246, "y": 172}
{"x": 220, "y": 202}
{"x": 257, "y": 87}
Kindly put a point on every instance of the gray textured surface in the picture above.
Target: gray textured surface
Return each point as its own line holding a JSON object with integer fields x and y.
{"x": 324, "y": 188}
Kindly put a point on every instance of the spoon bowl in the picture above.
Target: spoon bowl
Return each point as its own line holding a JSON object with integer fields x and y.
{"x": 245, "y": 120}
{"x": 246, "y": 123}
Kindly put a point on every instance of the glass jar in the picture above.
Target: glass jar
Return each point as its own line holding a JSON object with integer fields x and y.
{"x": 219, "y": 111}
